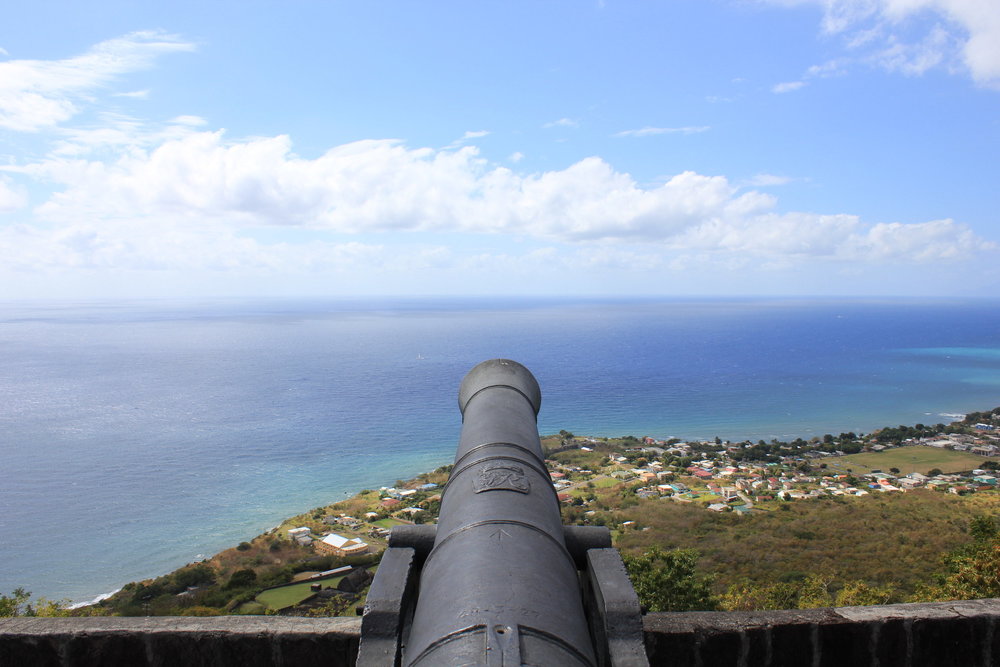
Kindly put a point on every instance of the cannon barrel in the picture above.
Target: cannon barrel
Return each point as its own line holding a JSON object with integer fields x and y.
{"x": 500, "y": 581}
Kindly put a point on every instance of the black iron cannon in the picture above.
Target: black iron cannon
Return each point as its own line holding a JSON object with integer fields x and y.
{"x": 500, "y": 581}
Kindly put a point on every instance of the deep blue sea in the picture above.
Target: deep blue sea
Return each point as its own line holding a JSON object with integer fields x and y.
{"x": 136, "y": 437}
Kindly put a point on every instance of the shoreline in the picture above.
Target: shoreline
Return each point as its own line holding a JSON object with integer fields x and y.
{"x": 357, "y": 496}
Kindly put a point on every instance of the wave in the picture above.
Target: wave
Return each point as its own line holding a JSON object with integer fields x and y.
{"x": 102, "y": 596}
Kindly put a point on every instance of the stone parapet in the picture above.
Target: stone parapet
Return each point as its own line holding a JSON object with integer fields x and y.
{"x": 912, "y": 635}
{"x": 217, "y": 641}
{"x": 961, "y": 633}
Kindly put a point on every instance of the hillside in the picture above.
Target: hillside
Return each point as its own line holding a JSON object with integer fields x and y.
{"x": 763, "y": 514}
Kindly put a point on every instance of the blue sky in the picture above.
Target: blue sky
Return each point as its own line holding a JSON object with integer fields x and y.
{"x": 690, "y": 147}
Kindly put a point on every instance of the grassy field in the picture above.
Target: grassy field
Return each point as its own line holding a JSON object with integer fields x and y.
{"x": 286, "y": 596}
{"x": 388, "y": 523}
{"x": 916, "y": 458}
{"x": 606, "y": 482}
{"x": 881, "y": 538}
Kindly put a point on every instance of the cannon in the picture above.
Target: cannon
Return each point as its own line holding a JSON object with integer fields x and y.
{"x": 499, "y": 581}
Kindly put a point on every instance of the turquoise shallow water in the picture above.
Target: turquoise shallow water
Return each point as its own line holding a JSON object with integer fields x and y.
{"x": 137, "y": 436}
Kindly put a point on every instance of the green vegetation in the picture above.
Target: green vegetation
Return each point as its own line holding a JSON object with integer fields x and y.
{"x": 668, "y": 581}
{"x": 896, "y": 539}
{"x": 818, "y": 532}
{"x": 291, "y": 595}
{"x": 917, "y": 458}
{"x": 19, "y": 603}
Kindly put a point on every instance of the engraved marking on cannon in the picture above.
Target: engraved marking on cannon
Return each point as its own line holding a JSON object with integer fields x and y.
{"x": 501, "y": 477}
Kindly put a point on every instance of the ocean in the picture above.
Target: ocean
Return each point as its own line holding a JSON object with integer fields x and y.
{"x": 139, "y": 436}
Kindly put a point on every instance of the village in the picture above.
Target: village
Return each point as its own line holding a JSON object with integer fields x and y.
{"x": 712, "y": 474}
{"x": 321, "y": 562}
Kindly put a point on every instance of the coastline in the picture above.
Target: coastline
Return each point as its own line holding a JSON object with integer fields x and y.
{"x": 577, "y": 444}
{"x": 167, "y": 448}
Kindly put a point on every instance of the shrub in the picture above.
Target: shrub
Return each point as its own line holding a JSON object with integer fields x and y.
{"x": 241, "y": 578}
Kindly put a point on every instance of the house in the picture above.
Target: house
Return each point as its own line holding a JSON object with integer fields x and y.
{"x": 296, "y": 533}
{"x": 338, "y": 545}
{"x": 718, "y": 507}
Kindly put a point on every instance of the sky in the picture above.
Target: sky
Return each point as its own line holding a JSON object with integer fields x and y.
{"x": 562, "y": 148}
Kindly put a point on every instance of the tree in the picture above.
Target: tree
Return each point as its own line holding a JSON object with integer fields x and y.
{"x": 241, "y": 578}
{"x": 972, "y": 571}
{"x": 17, "y": 604}
{"x": 894, "y": 471}
{"x": 668, "y": 581}
{"x": 859, "y": 593}
{"x": 749, "y": 597}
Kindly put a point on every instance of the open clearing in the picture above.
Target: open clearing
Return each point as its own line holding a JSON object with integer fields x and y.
{"x": 286, "y": 596}
{"x": 912, "y": 458}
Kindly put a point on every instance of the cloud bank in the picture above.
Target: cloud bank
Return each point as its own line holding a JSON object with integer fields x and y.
{"x": 118, "y": 194}
{"x": 197, "y": 199}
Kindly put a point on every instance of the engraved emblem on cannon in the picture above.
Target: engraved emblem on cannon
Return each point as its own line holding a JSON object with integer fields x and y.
{"x": 501, "y": 476}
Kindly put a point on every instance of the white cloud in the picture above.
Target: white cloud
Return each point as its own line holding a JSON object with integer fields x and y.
{"x": 189, "y": 121}
{"x": 12, "y": 198}
{"x": 199, "y": 191}
{"x": 767, "y": 180}
{"x": 469, "y": 134}
{"x": 516, "y": 157}
{"x": 787, "y": 87}
{"x": 35, "y": 94}
{"x": 652, "y": 131}
{"x": 117, "y": 134}
{"x": 563, "y": 122}
{"x": 912, "y": 36}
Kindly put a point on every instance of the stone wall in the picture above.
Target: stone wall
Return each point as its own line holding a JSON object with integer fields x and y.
{"x": 217, "y": 641}
{"x": 910, "y": 635}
